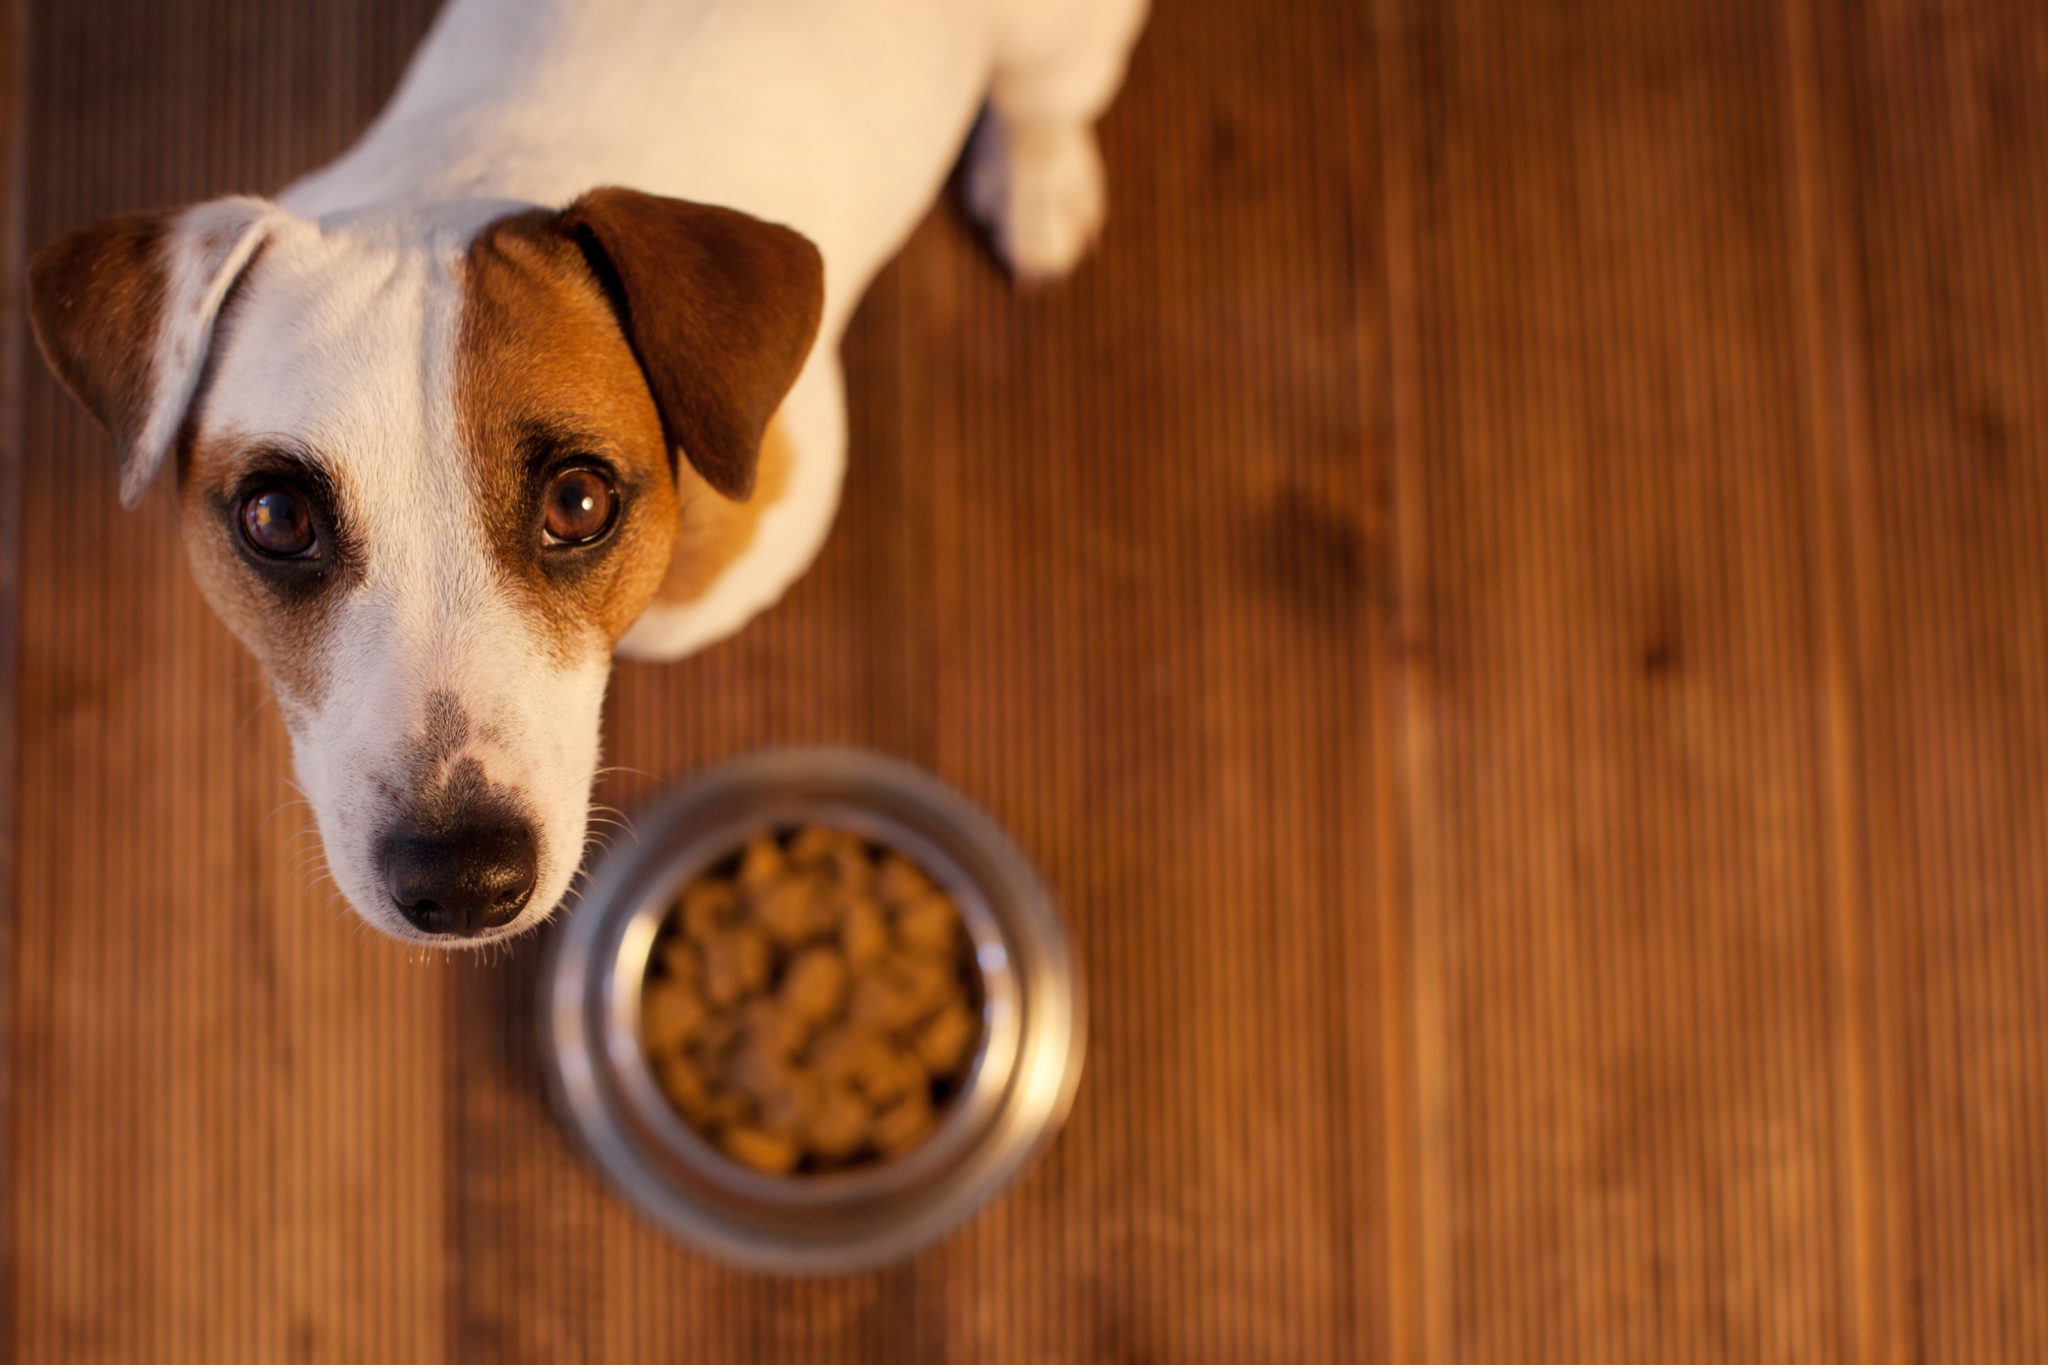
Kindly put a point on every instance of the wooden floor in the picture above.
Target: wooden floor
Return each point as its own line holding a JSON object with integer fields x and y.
{"x": 1510, "y": 602}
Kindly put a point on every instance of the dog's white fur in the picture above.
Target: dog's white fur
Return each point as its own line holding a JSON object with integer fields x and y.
{"x": 352, "y": 354}
{"x": 839, "y": 119}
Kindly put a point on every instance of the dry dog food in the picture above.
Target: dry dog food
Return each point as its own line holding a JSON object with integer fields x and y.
{"x": 812, "y": 1003}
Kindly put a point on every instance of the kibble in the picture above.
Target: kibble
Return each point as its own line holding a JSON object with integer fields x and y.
{"x": 812, "y": 1003}
{"x": 669, "y": 1018}
{"x": 736, "y": 964}
{"x": 943, "y": 1045}
{"x": 814, "y": 986}
{"x": 686, "y": 1084}
{"x": 900, "y": 882}
{"x": 793, "y": 911}
{"x": 931, "y": 926}
{"x": 842, "y": 1125}
{"x": 761, "y": 866}
{"x": 863, "y": 934}
{"x": 904, "y": 1124}
{"x": 707, "y": 907}
{"x": 761, "y": 1149}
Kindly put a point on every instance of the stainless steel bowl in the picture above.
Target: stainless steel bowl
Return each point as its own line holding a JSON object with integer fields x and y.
{"x": 1018, "y": 1088}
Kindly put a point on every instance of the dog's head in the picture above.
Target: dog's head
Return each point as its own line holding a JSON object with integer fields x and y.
{"x": 427, "y": 467}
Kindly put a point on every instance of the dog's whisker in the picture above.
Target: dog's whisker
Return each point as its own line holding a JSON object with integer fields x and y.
{"x": 314, "y": 855}
{"x": 255, "y": 711}
{"x": 609, "y": 817}
{"x": 280, "y": 809}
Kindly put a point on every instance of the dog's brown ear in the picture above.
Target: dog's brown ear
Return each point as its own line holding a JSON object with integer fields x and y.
{"x": 124, "y": 315}
{"x": 720, "y": 310}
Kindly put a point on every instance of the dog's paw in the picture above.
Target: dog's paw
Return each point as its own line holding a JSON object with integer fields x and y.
{"x": 1039, "y": 192}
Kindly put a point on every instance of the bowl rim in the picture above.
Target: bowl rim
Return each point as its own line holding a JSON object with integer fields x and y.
{"x": 836, "y": 1224}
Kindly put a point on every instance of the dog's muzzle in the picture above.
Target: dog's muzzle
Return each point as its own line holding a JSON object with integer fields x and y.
{"x": 466, "y": 877}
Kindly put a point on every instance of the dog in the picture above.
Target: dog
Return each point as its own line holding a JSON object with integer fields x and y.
{"x": 545, "y": 368}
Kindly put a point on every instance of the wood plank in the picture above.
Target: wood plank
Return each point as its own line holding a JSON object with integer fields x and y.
{"x": 13, "y": 121}
{"x": 1106, "y": 562}
{"x": 225, "y": 1119}
{"x": 1624, "y": 945}
{"x": 1936, "y": 157}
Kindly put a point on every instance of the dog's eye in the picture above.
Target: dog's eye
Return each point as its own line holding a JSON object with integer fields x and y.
{"x": 581, "y": 505}
{"x": 278, "y": 522}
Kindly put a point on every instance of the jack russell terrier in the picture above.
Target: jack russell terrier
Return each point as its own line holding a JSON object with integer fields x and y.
{"x": 442, "y": 445}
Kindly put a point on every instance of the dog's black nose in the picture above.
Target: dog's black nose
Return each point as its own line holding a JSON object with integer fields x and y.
{"x": 465, "y": 880}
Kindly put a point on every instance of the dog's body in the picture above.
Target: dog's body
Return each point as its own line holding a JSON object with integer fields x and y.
{"x": 398, "y": 398}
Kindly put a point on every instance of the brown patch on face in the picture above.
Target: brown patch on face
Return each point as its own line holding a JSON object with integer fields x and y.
{"x": 715, "y": 530}
{"x": 545, "y": 382}
{"x": 281, "y": 611}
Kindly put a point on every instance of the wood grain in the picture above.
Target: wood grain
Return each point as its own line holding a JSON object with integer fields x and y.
{"x": 1510, "y": 603}
{"x": 1934, "y": 157}
{"x": 1628, "y": 1098}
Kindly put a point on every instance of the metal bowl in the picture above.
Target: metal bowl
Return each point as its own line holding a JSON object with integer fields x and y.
{"x": 1018, "y": 1086}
